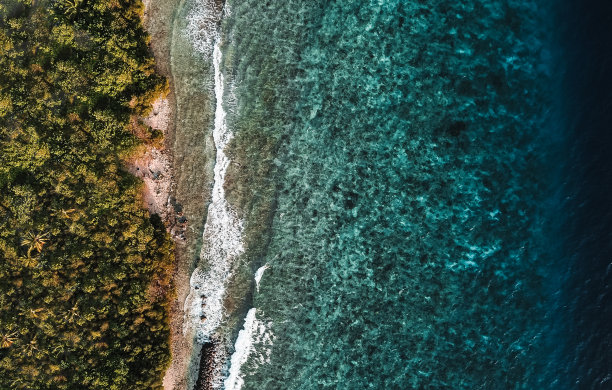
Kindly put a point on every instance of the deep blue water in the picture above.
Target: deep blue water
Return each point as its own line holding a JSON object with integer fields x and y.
{"x": 443, "y": 191}
{"x": 587, "y": 241}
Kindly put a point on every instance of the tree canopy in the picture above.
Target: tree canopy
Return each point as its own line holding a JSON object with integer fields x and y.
{"x": 84, "y": 269}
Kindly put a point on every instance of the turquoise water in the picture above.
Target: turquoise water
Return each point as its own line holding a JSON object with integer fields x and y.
{"x": 409, "y": 247}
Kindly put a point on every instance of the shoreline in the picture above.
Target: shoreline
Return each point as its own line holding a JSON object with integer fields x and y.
{"x": 189, "y": 159}
{"x": 179, "y": 185}
{"x": 158, "y": 18}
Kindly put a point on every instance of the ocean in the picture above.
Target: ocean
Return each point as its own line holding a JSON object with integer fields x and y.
{"x": 434, "y": 180}
{"x": 586, "y": 239}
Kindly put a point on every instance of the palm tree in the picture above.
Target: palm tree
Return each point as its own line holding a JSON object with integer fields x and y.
{"x": 73, "y": 313}
{"x": 31, "y": 313}
{"x": 63, "y": 213}
{"x": 29, "y": 262}
{"x": 7, "y": 339}
{"x": 18, "y": 383}
{"x": 35, "y": 241}
{"x": 58, "y": 349}
{"x": 31, "y": 347}
{"x": 71, "y": 7}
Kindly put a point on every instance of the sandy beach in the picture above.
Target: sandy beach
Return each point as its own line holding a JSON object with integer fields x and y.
{"x": 178, "y": 176}
{"x": 160, "y": 192}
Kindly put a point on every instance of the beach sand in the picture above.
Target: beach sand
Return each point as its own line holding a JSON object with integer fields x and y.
{"x": 178, "y": 176}
{"x": 158, "y": 18}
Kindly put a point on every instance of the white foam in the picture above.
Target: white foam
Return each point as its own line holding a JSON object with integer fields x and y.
{"x": 222, "y": 237}
{"x": 244, "y": 343}
{"x": 202, "y": 22}
{"x": 254, "y": 333}
{"x": 259, "y": 274}
{"x": 222, "y": 242}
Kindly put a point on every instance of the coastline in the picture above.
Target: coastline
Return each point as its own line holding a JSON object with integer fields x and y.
{"x": 247, "y": 195}
{"x": 189, "y": 158}
{"x": 179, "y": 178}
{"x": 158, "y": 19}
{"x": 192, "y": 363}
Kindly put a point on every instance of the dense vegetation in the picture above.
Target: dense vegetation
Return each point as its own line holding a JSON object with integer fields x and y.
{"x": 84, "y": 269}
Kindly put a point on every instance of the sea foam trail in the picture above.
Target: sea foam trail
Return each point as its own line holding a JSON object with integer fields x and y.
{"x": 254, "y": 333}
{"x": 222, "y": 242}
{"x": 259, "y": 274}
{"x": 244, "y": 343}
{"x": 254, "y": 342}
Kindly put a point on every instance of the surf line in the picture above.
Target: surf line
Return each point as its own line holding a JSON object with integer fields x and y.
{"x": 222, "y": 237}
{"x": 254, "y": 332}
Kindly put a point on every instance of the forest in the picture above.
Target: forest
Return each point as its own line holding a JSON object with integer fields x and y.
{"x": 84, "y": 268}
